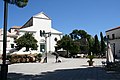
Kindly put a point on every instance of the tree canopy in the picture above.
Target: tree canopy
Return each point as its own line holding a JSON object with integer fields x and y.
{"x": 78, "y": 34}
{"x": 27, "y": 40}
{"x": 76, "y": 42}
{"x": 103, "y": 46}
{"x": 79, "y": 41}
{"x": 19, "y": 3}
{"x": 96, "y": 46}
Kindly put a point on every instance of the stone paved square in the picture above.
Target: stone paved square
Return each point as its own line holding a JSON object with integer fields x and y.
{"x": 68, "y": 69}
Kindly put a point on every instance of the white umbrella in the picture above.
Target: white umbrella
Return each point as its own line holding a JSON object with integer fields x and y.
{"x": 109, "y": 54}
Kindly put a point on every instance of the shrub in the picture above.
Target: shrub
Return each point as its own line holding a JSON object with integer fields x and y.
{"x": 38, "y": 57}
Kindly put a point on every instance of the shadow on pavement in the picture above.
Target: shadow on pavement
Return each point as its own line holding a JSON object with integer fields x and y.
{"x": 90, "y": 73}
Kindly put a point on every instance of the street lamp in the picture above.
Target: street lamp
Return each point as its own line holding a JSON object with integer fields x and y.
{"x": 21, "y": 4}
{"x": 46, "y": 35}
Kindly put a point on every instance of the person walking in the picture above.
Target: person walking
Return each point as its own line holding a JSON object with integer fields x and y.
{"x": 57, "y": 57}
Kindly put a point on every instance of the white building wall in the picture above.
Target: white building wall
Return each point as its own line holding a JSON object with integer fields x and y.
{"x": 12, "y": 30}
{"x": 50, "y": 41}
{"x": 117, "y": 46}
{"x": 53, "y": 42}
{"x": 1, "y": 47}
{"x": 116, "y": 32}
{"x": 115, "y": 41}
{"x": 10, "y": 40}
{"x": 42, "y": 24}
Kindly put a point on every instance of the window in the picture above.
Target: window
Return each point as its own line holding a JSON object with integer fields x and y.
{"x": 42, "y": 47}
{"x": 12, "y": 45}
{"x": 108, "y": 36}
{"x": 14, "y": 38}
{"x": 113, "y": 36}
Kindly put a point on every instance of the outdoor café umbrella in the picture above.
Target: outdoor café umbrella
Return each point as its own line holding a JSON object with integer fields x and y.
{"x": 109, "y": 54}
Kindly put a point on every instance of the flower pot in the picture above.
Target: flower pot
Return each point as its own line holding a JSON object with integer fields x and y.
{"x": 90, "y": 63}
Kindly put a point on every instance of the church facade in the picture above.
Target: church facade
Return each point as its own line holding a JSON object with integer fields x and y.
{"x": 36, "y": 24}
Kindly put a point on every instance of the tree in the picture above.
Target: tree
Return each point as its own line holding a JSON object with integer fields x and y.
{"x": 74, "y": 34}
{"x": 19, "y": 3}
{"x": 82, "y": 34}
{"x": 68, "y": 44}
{"x": 28, "y": 41}
{"x": 65, "y": 43}
{"x": 96, "y": 46}
{"x": 78, "y": 34}
{"x": 74, "y": 49}
{"x": 82, "y": 38}
{"x": 103, "y": 46}
{"x": 91, "y": 41}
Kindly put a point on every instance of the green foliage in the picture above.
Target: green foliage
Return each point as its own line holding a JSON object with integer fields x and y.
{"x": 90, "y": 57}
{"x": 103, "y": 46}
{"x": 91, "y": 41}
{"x": 28, "y": 41}
{"x": 65, "y": 43}
{"x": 79, "y": 41}
{"x": 82, "y": 33}
{"x": 19, "y": 3}
{"x": 81, "y": 37}
{"x": 74, "y": 49}
{"x": 96, "y": 46}
{"x": 84, "y": 46}
{"x": 39, "y": 55}
{"x": 76, "y": 42}
{"x": 78, "y": 34}
{"x": 74, "y": 34}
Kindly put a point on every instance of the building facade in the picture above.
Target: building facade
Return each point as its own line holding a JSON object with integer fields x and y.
{"x": 113, "y": 36}
{"x": 10, "y": 41}
{"x": 37, "y": 23}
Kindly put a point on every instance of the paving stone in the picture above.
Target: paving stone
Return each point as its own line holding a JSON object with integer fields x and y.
{"x": 68, "y": 69}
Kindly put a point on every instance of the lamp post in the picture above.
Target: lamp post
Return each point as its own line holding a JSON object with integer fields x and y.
{"x": 4, "y": 66}
{"x": 46, "y": 35}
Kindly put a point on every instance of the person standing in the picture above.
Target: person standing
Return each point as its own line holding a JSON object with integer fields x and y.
{"x": 57, "y": 57}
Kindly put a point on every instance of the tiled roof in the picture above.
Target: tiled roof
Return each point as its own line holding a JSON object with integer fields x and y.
{"x": 113, "y": 29}
{"x": 16, "y": 27}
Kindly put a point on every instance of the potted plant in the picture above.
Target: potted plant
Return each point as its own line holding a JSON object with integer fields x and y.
{"x": 90, "y": 61}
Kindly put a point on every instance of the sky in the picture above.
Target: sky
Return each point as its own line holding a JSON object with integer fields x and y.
{"x": 93, "y": 16}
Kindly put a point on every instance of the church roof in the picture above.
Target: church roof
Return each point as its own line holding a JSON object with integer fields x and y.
{"x": 8, "y": 33}
{"x": 113, "y": 29}
{"x": 32, "y": 29}
{"x": 55, "y": 31}
{"x": 41, "y": 15}
{"x": 16, "y": 27}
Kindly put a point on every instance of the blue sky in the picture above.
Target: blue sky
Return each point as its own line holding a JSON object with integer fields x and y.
{"x": 93, "y": 16}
